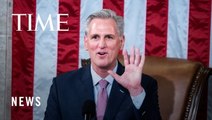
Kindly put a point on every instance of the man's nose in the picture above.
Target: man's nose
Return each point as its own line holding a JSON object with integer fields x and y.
{"x": 102, "y": 43}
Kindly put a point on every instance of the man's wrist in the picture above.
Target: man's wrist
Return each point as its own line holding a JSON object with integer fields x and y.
{"x": 136, "y": 91}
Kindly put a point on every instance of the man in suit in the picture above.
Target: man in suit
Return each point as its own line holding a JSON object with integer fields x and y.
{"x": 127, "y": 94}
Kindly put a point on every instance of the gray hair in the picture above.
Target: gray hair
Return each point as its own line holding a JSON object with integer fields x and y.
{"x": 107, "y": 14}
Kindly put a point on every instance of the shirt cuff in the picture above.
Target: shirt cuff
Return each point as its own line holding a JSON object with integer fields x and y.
{"x": 138, "y": 100}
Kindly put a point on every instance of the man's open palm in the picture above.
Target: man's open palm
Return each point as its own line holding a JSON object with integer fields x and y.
{"x": 131, "y": 78}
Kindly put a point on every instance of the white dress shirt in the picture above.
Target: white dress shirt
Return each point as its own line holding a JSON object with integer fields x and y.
{"x": 137, "y": 100}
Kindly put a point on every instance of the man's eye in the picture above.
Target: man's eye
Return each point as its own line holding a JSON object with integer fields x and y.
{"x": 109, "y": 37}
{"x": 94, "y": 37}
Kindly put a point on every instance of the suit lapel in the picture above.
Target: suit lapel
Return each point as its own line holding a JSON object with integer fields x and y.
{"x": 86, "y": 87}
{"x": 116, "y": 97}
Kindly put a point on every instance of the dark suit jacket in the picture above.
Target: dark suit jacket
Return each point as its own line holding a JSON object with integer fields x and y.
{"x": 70, "y": 90}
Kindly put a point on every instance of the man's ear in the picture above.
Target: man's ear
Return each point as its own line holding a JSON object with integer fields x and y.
{"x": 122, "y": 42}
{"x": 86, "y": 42}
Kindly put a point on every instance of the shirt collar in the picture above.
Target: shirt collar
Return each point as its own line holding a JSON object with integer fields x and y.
{"x": 96, "y": 78}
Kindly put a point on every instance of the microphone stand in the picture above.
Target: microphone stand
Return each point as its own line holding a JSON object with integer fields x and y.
{"x": 87, "y": 117}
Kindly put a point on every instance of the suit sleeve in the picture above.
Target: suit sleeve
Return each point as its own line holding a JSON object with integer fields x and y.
{"x": 150, "y": 107}
{"x": 53, "y": 111}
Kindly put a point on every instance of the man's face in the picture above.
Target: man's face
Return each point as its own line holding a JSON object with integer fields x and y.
{"x": 103, "y": 43}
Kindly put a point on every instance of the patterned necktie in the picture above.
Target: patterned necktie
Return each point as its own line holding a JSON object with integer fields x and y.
{"x": 102, "y": 99}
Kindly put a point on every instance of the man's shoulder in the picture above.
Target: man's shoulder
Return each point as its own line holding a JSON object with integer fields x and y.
{"x": 73, "y": 74}
{"x": 145, "y": 76}
{"x": 148, "y": 80}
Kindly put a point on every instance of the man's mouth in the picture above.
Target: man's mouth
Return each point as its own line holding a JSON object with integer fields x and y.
{"x": 102, "y": 53}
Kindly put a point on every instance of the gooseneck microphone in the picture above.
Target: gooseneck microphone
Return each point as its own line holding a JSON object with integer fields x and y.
{"x": 88, "y": 109}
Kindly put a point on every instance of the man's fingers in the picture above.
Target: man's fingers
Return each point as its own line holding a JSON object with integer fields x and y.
{"x": 141, "y": 64}
{"x": 126, "y": 59}
{"x": 132, "y": 55}
{"x": 114, "y": 75}
{"x": 134, "y": 58}
{"x": 137, "y": 56}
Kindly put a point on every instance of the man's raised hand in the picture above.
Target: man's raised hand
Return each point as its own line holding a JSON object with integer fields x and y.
{"x": 131, "y": 78}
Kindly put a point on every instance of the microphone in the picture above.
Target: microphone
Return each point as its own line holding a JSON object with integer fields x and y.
{"x": 88, "y": 109}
